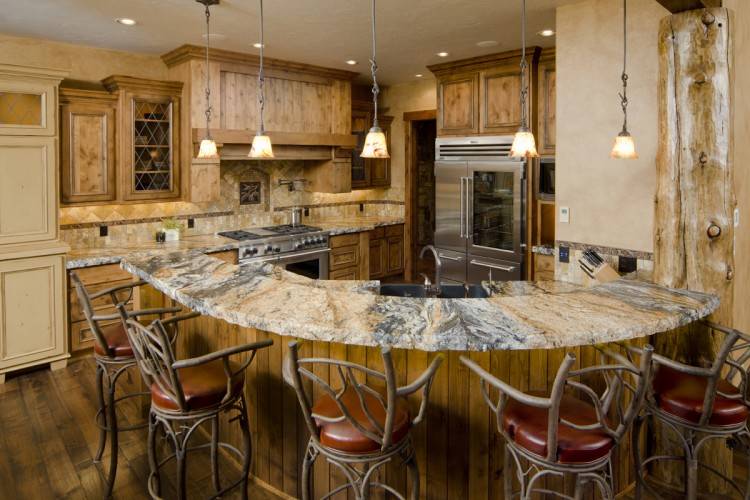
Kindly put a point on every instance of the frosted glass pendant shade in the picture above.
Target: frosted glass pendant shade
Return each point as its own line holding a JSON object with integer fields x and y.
{"x": 524, "y": 145}
{"x": 261, "y": 147}
{"x": 375, "y": 144}
{"x": 624, "y": 147}
{"x": 208, "y": 149}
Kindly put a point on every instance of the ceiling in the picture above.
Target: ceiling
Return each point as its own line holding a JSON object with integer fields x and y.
{"x": 322, "y": 32}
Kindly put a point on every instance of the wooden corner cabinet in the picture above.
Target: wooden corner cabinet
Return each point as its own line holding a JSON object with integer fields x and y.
{"x": 547, "y": 102}
{"x": 387, "y": 251}
{"x": 149, "y": 124}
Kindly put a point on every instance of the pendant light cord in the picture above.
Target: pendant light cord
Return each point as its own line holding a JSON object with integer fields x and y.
{"x": 208, "y": 74}
{"x": 261, "y": 76}
{"x": 624, "y": 94}
{"x": 374, "y": 70}
{"x": 524, "y": 83}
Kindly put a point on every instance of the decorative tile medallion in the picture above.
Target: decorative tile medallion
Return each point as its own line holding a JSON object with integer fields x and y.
{"x": 250, "y": 193}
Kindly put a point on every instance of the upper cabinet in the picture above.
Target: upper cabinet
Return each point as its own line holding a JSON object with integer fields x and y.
{"x": 368, "y": 172}
{"x": 547, "y": 102}
{"x": 149, "y": 141}
{"x": 481, "y": 95}
{"x": 28, "y": 101}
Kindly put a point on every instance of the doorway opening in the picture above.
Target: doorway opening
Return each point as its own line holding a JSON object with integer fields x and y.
{"x": 421, "y": 131}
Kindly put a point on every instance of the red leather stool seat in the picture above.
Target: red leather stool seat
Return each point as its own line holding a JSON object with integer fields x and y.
{"x": 681, "y": 395}
{"x": 343, "y": 436}
{"x": 204, "y": 386}
{"x": 527, "y": 426}
{"x": 117, "y": 341}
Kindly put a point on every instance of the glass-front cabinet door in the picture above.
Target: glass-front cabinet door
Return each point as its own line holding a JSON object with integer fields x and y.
{"x": 494, "y": 206}
{"x": 27, "y": 108}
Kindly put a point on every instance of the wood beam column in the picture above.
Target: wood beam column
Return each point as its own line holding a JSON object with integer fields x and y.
{"x": 695, "y": 201}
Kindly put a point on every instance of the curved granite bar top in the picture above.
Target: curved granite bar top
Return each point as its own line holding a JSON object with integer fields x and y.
{"x": 519, "y": 315}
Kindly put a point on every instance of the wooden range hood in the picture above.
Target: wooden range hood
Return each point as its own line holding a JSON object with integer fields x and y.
{"x": 308, "y": 108}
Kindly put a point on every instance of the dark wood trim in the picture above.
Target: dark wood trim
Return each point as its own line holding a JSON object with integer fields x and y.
{"x": 675, "y": 6}
{"x": 415, "y": 116}
{"x": 188, "y": 52}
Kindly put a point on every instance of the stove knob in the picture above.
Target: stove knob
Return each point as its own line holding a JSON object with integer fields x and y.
{"x": 252, "y": 251}
{"x": 277, "y": 249}
{"x": 319, "y": 239}
{"x": 300, "y": 244}
{"x": 268, "y": 249}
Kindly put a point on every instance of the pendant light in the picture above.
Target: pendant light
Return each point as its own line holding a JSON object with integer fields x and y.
{"x": 208, "y": 145}
{"x": 375, "y": 143}
{"x": 261, "y": 147}
{"x": 524, "y": 145}
{"x": 624, "y": 147}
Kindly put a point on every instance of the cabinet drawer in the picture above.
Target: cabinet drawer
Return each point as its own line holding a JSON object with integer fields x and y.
{"x": 344, "y": 240}
{"x": 348, "y": 273}
{"x": 109, "y": 273}
{"x": 344, "y": 257}
{"x": 544, "y": 264}
{"x": 101, "y": 305}
{"x": 81, "y": 336}
{"x": 397, "y": 230}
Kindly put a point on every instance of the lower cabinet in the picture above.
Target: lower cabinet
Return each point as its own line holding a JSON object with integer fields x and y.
{"x": 32, "y": 311}
{"x": 387, "y": 251}
{"x": 347, "y": 256}
{"x": 94, "y": 279}
{"x": 544, "y": 267}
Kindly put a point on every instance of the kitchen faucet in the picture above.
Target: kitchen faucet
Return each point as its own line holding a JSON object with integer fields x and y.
{"x": 430, "y": 287}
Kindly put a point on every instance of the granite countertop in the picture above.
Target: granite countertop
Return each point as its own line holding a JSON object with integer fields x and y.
{"x": 519, "y": 315}
{"x": 89, "y": 257}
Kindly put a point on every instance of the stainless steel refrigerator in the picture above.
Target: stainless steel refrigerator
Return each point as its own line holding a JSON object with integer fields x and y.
{"x": 480, "y": 214}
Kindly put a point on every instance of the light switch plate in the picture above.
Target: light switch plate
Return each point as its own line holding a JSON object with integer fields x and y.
{"x": 564, "y": 215}
{"x": 736, "y": 217}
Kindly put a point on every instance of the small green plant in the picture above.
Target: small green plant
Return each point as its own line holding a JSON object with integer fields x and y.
{"x": 170, "y": 223}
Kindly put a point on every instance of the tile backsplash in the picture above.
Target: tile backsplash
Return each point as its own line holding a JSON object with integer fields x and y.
{"x": 572, "y": 272}
{"x": 128, "y": 223}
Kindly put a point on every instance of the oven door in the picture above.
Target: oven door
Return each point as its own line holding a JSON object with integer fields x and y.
{"x": 312, "y": 264}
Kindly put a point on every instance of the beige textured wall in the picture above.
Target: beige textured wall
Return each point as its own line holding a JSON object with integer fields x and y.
{"x": 741, "y": 10}
{"x": 420, "y": 95}
{"x": 84, "y": 63}
{"x": 611, "y": 201}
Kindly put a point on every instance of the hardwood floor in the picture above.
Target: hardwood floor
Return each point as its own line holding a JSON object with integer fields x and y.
{"x": 48, "y": 440}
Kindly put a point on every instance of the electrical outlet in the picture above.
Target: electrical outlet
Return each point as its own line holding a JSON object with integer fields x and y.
{"x": 361, "y": 207}
{"x": 103, "y": 231}
{"x": 307, "y": 212}
{"x": 191, "y": 223}
{"x": 626, "y": 265}
{"x": 563, "y": 254}
{"x": 564, "y": 215}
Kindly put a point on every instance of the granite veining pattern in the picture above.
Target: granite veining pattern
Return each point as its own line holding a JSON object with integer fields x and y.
{"x": 519, "y": 315}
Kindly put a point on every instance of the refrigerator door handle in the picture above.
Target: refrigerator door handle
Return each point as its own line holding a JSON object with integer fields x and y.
{"x": 448, "y": 257}
{"x": 461, "y": 210}
{"x": 469, "y": 206}
{"x": 507, "y": 269}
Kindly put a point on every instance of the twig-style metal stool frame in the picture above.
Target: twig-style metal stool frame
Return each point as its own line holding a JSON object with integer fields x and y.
{"x": 562, "y": 434}
{"x": 355, "y": 427}
{"x": 188, "y": 393}
{"x": 113, "y": 356}
{"x": 698, "y": 405}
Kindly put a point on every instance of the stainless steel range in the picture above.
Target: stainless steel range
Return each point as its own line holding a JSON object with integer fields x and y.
{"x": 299, "y": 249}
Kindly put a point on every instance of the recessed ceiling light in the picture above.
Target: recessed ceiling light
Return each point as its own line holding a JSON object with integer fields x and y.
{"x": 546, "y": 33}
{"x": 258, "y": 45}
{"x": 351, "y": 62}
{"x": 419, "y": 75}
{"x": 126, "y": 21}
{"x": 442, "y": 54}
{"x": 487, "y": 43}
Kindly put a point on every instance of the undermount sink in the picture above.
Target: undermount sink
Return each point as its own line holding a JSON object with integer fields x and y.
{"x": 446, "y": 291}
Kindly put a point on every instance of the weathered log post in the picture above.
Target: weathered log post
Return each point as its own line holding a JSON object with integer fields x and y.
{"x": 695, "y": 201}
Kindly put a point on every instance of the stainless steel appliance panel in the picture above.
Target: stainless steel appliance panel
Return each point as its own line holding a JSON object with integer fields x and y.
{"x": 494, "y": 209}
{"x": 450, "y": 203}
{"x": 313, "y": 263}
{"x": 483, "y": 269}
{"x": 454, "y": 266}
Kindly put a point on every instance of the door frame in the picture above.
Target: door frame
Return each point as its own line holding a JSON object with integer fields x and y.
{"x": 410, "y": 185}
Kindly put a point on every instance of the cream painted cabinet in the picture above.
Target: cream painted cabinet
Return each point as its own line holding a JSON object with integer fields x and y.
{"x": 28, "y": 189}
{"x": 32, "y": 311}
{"x": 28, "y": 101}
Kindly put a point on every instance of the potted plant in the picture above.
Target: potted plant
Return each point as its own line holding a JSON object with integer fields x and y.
{"x": 171, "y": 228}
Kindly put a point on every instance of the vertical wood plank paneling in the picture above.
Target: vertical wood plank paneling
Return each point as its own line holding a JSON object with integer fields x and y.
{"x": 395, "y": 471}
{"x": 499, "y": 367}
{"x": 437, "y": 442}
{"x": 275, "y": 429}
{"x": 337, "y": 351}
{"x": 321, "y": 471}
{"x": 478, "y": 434}
{"x": 416, "y": 362}
{"x": 458, "y": 427}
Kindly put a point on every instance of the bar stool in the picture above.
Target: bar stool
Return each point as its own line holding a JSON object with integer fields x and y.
{"x": 563, "y": 433}
{"x": 355, "y": 427}
{"x": 113, "y": 356}
{"x": 699, "y": 405}
{"x": 188, "y": 393}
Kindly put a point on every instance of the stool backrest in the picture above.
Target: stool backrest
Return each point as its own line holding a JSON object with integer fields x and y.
{"x": 616, "y": 405}
{"x": 351, "y": 376}
{"x": 88, "y": 313}
{"x": 154, "y": 355}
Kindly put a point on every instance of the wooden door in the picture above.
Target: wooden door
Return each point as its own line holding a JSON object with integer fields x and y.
{"x": 547, "y": 106}
{"x": 32, "y": 308}
{"x": 395, "y": 254}
{"x": 458, "y": 104}
{"x": 378, "y": 258}
{"x": 28, "y": 189}
{"x": 88, "y": 152}
{"x": 500, "y": 100}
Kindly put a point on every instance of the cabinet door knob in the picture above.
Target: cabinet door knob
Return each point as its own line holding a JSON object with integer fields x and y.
{"x": 713, "y": 231}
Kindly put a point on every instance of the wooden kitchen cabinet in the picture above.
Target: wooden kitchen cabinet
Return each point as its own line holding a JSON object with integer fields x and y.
{"x": 28, "y": 100}
{"x": 95, "y": 279}
{"x": 386, "y": 251}
{"x": 547, "y": 102}
{"x": 148, "y": 138}
{"x": 349, "y": 257}
{"x": 458, "y": 104}
{"x": 368, "y": 172}
{"x": 500, "y": 107}
{"x": 88, "y": 145}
